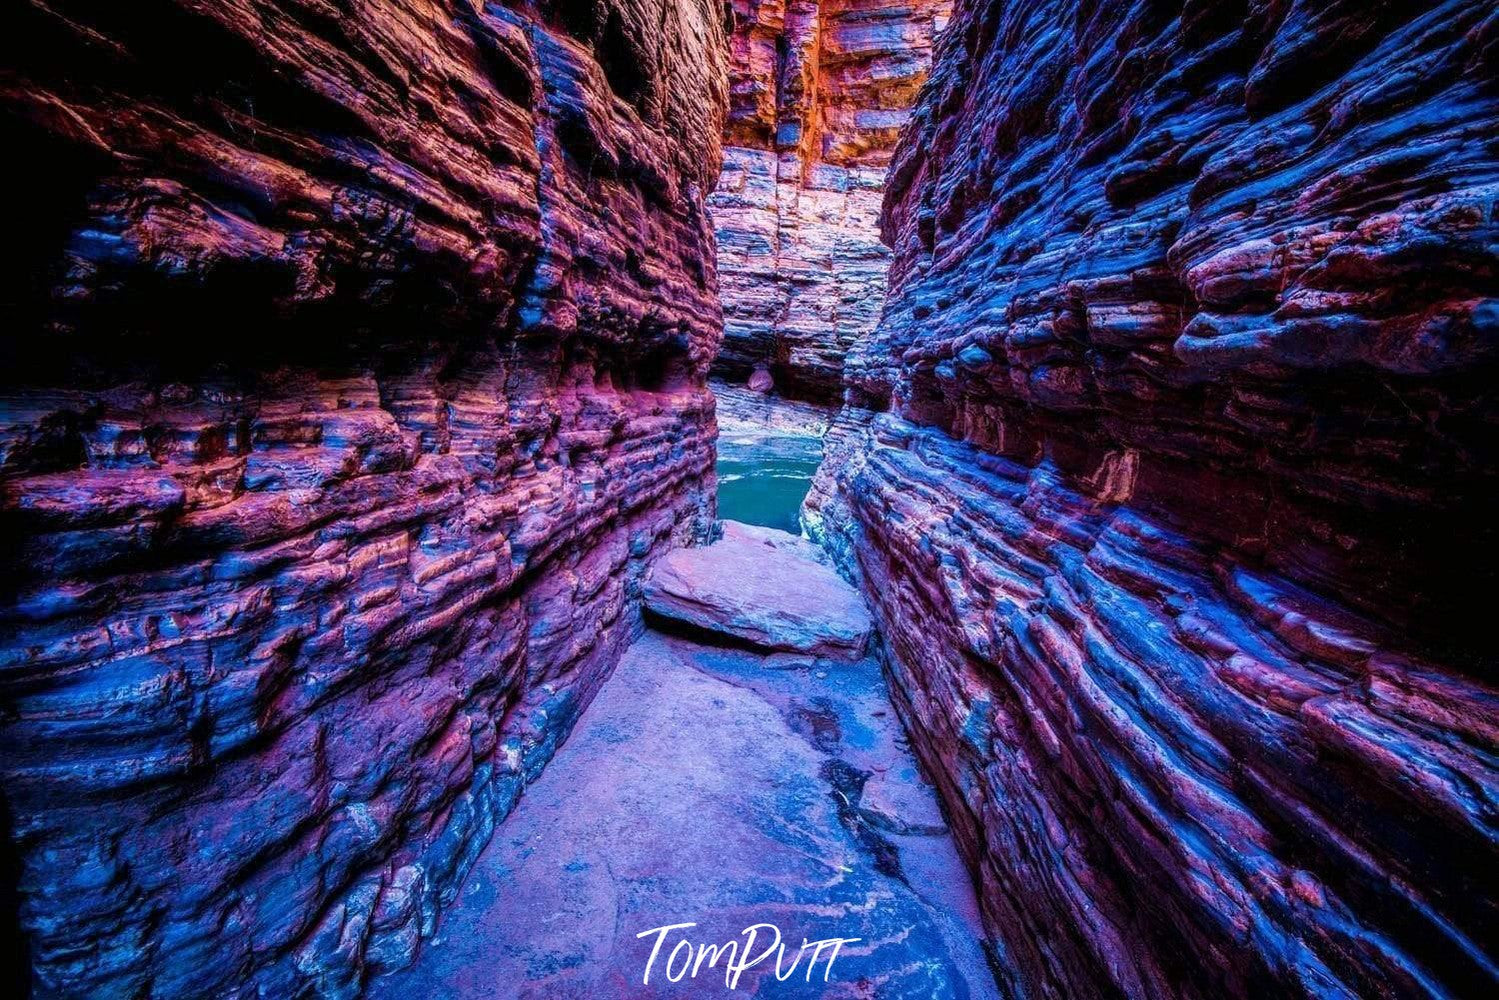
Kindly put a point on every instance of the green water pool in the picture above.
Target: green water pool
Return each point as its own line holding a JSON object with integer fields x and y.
{"x": 764, "y": 476}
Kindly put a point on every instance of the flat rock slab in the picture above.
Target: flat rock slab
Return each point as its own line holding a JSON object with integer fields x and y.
{"x": 701, "y": 787}
{"x": 763, "y": 587}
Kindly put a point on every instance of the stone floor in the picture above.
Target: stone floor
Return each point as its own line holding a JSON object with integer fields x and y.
{"x": 723, "y": 788}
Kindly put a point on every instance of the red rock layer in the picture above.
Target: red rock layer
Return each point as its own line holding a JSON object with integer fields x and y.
{"x": 1178, "y": 516}
{"x": 356, "y": 374}
{"x": 819, "y": 92}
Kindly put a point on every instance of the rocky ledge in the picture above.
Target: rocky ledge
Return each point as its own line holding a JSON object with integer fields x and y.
{"x": 355, "y": 380}
{"x": 1170, "y": 474}
{"x": 764, "y": 588}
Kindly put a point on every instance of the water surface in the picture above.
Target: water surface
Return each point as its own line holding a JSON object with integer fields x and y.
{"x": 764, "y": 475}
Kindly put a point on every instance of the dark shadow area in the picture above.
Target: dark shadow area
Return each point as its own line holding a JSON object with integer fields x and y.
{"x": 15, "y": 948}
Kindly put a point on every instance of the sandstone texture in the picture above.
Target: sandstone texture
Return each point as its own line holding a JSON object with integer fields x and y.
{"x": 355, "y": 376}
{"x": 767, "y": 588}
{"x": 819, "y": 92}
{"x": 1169, "y": 474}
{"x": 744, "y": 413}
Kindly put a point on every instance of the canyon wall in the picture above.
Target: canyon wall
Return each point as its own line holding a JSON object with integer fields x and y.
{"x": 819, "y": 90}
{"x": 1170, "y": 473}
{"x": 355, "y": 372}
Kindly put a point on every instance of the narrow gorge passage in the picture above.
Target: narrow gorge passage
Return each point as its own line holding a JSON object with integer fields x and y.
{"x": 409, "y": 410}
{"x": 728, "y": 792}
{"x": 743, "y": 768}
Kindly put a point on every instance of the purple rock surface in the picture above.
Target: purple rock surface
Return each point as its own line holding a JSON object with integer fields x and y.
{"x": 819, "y": 90}
{"x": 724, "y": 793}
{"x": 355, "y": 377}
{"x": 762, "y": 587}
{"x": 1170, "y": 476}
{"x": 354, "y": 403}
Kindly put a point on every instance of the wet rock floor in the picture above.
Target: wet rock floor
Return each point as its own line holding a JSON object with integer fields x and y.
{"x": 722, "y": 788}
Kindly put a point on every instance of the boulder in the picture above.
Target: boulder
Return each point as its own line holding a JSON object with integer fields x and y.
{"x": 761, "y": 587}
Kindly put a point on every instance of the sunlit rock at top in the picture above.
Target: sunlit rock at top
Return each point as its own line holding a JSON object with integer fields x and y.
{"x": 819, "y": 92}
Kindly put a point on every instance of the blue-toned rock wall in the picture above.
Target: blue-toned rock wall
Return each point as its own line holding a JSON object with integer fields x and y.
{"x": 1170, "y": 473}
{"x": 354, "y": 375}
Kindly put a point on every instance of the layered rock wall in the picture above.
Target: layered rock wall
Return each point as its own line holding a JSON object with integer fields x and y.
{"x": 819, "y": 92}
{"x": 1170, "y": 475}
{"x": 355, "y": 374}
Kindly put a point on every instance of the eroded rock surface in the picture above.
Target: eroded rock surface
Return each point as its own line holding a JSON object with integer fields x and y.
{"x": 761, "y": 586}
{"x": 819, "y": 92}
{"x": 724, "y": 794}
{"x": 1169, "y": 476}
{"x": 355, "y": 378}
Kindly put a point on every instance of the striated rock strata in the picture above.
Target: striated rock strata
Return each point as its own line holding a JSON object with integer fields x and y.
{"x": 355, "y": 376}
{"x": 819, "y": 92}
{"x": 1170, "y": 476}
